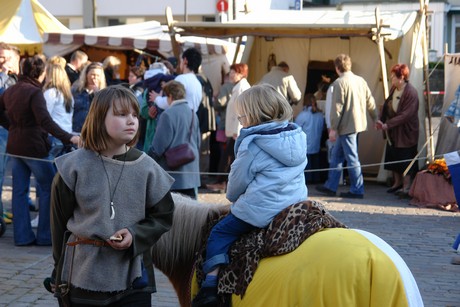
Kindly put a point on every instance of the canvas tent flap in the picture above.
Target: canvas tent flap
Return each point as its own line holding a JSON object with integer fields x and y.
{"x": 307, "y": 23}
{"x": 22, "y": 23}
{"x": 150, "y": 35}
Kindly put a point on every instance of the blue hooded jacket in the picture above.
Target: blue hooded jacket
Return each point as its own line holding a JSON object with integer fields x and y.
{"x": 267, "y": 174}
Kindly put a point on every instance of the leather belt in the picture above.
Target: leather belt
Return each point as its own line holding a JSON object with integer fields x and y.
{"x": 86, "y": 241}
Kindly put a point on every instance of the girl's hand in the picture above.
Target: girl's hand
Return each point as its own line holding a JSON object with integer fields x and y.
{"x": 124, "y": 243}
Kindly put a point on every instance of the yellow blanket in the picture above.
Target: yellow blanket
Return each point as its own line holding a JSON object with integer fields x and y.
{"x": 335, "y": 267}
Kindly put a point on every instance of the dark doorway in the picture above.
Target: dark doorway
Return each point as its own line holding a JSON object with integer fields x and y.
{"x": 315, "y": 81}
{"x": 319, "y": 76}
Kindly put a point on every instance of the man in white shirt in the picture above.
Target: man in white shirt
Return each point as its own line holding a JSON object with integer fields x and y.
{"x": 189, "y": 64}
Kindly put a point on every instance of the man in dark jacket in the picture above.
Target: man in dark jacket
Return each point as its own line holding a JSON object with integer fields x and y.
{"x": 78, "y": 60}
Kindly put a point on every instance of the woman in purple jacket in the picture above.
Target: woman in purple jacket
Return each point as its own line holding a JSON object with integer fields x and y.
{"x": 23, "y": 112}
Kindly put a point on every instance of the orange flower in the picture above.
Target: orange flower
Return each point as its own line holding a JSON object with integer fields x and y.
{"x": 439, "y": 167}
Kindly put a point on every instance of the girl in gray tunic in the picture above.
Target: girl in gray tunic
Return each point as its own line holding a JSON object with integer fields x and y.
{"x": 110, "y": 204}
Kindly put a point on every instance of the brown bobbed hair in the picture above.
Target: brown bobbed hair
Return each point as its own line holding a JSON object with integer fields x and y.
{"x": 174, "y": 89}
{"x": 94, "y": 133}
{"x": 400, "y": 70}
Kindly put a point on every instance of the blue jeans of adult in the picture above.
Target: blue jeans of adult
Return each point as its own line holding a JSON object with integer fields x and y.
{"x": 56, "y": 147}
{"x": 223, "y": 234}
{"x": 346, "y": 148}
{"x": 44, "y": 173}
{"x": 3, "y": 159}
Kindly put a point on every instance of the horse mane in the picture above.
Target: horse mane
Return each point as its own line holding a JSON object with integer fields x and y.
{"x": 174, "y": 253}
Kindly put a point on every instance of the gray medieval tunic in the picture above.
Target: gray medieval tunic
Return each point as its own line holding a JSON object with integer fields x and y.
{"x": 142, "y": 184}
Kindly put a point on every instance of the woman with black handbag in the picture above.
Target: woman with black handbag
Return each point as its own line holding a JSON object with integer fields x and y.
{"x": 177, "y": 126}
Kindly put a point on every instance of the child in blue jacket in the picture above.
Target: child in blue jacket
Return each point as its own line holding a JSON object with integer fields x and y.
{"x": 265, "y": 178}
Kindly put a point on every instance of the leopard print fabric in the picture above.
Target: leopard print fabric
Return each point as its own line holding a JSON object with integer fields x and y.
{"x": 284, "y": 234}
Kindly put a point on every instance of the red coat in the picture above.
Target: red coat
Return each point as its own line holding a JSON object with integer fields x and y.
{"x": 28, "y": 120}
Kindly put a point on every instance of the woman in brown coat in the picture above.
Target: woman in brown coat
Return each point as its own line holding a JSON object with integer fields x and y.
{"x": 23, "y": 112}
{"x": 400, "y": 122}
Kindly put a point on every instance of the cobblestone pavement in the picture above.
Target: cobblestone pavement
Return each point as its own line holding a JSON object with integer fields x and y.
{"x": 423, "y": 237}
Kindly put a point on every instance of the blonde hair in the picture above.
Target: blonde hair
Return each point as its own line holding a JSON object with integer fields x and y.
{"x": 343, "y": 62}
{"x": 263, "y": 103}
{"x": 111, "y": 65}
{"x": 111, "y": 61}
{"x": 82, "y": 81}
{"x": 58, "y": 60}
{"x": 56, "y": 77}
{"x": 94, "y": 132}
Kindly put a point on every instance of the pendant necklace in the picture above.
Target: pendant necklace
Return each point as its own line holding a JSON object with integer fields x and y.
{"x": 112, "y": 194}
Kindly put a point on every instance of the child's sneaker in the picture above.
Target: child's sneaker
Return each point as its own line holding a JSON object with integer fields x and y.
{"x": 206, "y": 297}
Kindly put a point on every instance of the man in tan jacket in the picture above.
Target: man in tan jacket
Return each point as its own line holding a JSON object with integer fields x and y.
{"x": 284, "y": 83}
{"x": 350, "y": 100}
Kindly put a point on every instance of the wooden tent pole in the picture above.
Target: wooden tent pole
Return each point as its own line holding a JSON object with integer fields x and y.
{"x": 383, "y": 66}
{"x": 172, "y": 33}
{"x": 426, "y": 77}
{"x": 237, "y": 50}
{"x": 382, "y": 174}
{"x": 424, "y": 18}
{"x": 379, "y": 40}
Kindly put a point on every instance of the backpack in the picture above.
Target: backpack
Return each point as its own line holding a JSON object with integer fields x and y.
{"x": 205, "y": 113}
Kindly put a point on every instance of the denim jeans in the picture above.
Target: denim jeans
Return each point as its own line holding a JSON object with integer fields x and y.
{"x": 346, "y": 148}
{"x": 3, "y": 159}
{"x": 56, "y": 147}
{"x": 223, "y": 234}
{"x": 44, "y": 173}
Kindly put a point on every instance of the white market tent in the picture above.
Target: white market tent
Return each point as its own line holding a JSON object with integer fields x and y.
{"x": 23, "y": 22}
{"x": 148, "y": 36}
{"x": 302, "y": 38}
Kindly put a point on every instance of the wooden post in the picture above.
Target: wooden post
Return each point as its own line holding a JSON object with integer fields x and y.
{"x": 237, "y": 50}
{"x": 172, "y": 33}
{"x": 379, "y": 40}
{"x": 382, "y": 174}
{"x": 426, "y": 75}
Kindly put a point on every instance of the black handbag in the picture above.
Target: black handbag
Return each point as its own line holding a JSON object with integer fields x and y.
{"x": 181, "y": 154}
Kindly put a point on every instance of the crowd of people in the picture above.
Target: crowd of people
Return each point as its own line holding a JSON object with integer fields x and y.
{"x": 110, "y": 193}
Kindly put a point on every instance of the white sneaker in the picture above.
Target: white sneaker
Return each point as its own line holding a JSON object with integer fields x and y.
{"x": 34, "y": 222}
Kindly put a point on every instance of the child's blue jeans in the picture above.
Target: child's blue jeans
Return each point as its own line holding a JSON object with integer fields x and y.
{"x": 223, "y": 234}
